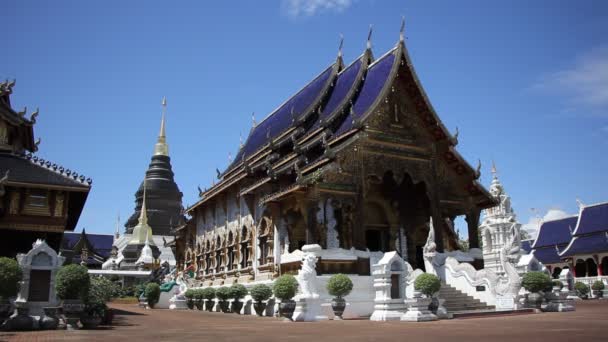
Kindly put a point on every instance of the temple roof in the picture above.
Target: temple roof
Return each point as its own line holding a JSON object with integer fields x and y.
{"x": 557, "y": 232}
{"x": 32, "y": 170}
{"x": 593, "y": 219}
{"x": 101, "y": 243}
{"x": 547, "y": 255}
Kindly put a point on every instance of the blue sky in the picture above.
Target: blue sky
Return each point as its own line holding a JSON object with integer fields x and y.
{"x": 525, "y": 82}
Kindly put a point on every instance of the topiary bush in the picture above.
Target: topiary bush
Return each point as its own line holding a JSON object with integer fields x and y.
{"x": 536, "y": 281}
{"x": 72, "y": 282}
{"x": 101, "y": 291}
{"x": 339, "y": 285}
{"x": 285, "y": 287}
{"x": 189, "y": 294}
{"x": 152, "y": 294}
{"x": 223, "y": 293}
{"x": 10, "y": 276}
{"x": 598, "y": 285}
{"x": 198, "y": 294}
{"x": 238, "y": 291}
{"x": 581, "y": 289}
{"x": 428, "y": 284}
{"x": 260, "y": 292}
{"x": 208, "y": 293}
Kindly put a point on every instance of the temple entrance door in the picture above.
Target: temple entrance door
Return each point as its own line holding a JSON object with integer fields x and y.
{"x": 377, "y": 239}
{"x": 40, "y": 281}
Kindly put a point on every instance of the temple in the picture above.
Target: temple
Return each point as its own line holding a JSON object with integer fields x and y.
{"x": 577, "y": 243}
{"x": 356, "y": 162}
{"x": 90, "y": 250}
{"x": 38, "y": 198}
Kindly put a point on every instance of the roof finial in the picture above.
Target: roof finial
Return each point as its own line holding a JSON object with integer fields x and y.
{"x": 580, "y": 203}
{"x": 341, "y": 45}
{"x": 240, "y": 140}
{"x": 253, "y": 119}
{"x": 117, "y": 232}
{"x": 143, "y": 214}
{"x": 369, "y": 37}
{"x": 161, "y": 148}
{"x": 229, "y": 157}
{"x": 494, "y": 170}
{"x": 402, "y": 30}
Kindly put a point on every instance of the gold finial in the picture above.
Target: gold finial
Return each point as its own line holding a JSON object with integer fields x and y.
{"x": 141, "y": 232}
{"x": 161, "y": 148}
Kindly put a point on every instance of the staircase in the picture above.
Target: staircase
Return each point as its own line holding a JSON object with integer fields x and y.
{"x": 456, "y": 301}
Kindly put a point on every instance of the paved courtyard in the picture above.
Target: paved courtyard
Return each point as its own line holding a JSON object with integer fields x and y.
{"x": 588, "y": 323}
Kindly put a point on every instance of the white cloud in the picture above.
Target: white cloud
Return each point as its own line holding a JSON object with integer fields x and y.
{"x": 585, "y": 83}
{"x": 306, "y": 8}
{"x": 534, "y": 222}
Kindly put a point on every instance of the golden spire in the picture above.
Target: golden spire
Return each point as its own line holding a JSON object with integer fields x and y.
{"x": 161, "y": 148}
{"x": 141, "y": 232}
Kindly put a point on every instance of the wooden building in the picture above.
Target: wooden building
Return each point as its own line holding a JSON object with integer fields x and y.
{"x": 356, "y": 161}
{"x": 38, "y": 198}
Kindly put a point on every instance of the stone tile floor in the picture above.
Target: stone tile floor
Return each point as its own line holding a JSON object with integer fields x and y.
{"x": 588, "y": 323}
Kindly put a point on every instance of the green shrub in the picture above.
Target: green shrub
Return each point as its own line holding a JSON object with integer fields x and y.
{"x": 72, "y": 282}
{"x": 558, "y": 283}
{"x": 208, "y": 293}
{"x": 223, "y": 293}
{"x": 238, "y": 291}
{"x": 536, "y": 281}
{"x": 101, "y": 291}
{"x": 140, "y": 290}
{"x": 339, "y": 285}
{"x": 152, "y": 293}
{"x": 598, "y": 285}
{"x": 10, "y": 276}
{"x": 428, "y": 284}
{"x": 105, "y": 287}
{"x": 260, "y": 292}
{"x": 198, "y": 294}
{"x": 189, "y": 294}
{"x": 285, "y": 287}
{"x": 581, "y": 289}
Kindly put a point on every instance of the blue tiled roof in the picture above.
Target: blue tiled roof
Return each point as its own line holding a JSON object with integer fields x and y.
{"x": 587, "y": 244}
{"x": 556, "y": 232}
{"x": 594, "y": 218}
{"x": 282, "y": 118}
{"x": 375, "y": 80}
{"x": 547, "y": 255}
{"x": 102, "y": 243}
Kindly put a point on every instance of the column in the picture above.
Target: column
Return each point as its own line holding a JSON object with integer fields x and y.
{"x": 437, "y": 223}
{"x": 599, "y": 265}
{"x": 472, "y": 219}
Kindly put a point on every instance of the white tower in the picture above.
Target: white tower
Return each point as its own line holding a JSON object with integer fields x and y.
{"x": 496, "y": 226}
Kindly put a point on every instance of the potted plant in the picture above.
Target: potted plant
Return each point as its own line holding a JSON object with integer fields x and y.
{"x": 72, "y": 286}
{"x": 260, "y": 294}
{"x": 582, "y": 290}
{"x": 223, "y": 294}
{"x": 189, "y": 298}
{"x": 339, "y": 286}
{"x": 427, "y": 284}
{"x": 598, "y": 287}
{"x": 95, "y": 305}
{"x": 152, "y": 294}
{"x": 198, "y": 298}
{"x": 209, "y": 295}
{"x": 535, "y": 282}
{"x": 284, "y": 289}
{"x": 238, "y": 292}
{"x": 10, "y": 276}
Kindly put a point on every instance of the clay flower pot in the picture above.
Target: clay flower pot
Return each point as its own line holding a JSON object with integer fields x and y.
{"x": 259, "y": 308}
{"x": 209, "y": 305}
{"x": 338, "y": 305}
{"x": 49, "y": 321}
{"x": 286, "y": 308}
{"x": 237, "y": 305}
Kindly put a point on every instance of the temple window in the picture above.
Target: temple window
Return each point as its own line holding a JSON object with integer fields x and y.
{"x": 244, "y": 247}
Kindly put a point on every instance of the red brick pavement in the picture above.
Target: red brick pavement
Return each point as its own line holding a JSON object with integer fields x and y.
{"x": 588, "y": 323}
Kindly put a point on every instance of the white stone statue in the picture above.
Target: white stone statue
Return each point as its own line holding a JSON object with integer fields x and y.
{"x": 307, "y": 276}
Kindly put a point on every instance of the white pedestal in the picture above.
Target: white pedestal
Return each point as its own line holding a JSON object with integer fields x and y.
{"x": 308, "y": 310}
{"x": 418, "y": 310}
{"x": 388, "y": 310}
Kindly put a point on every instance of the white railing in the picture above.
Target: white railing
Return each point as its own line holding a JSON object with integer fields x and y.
{"x": 590, "y": 280}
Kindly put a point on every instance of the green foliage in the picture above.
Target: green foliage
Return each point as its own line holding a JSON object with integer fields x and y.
{"x": 238, "y": 291}
{"x": 339, "y": 285}
{"x": 152, "y": 293}
{"x": 536, "y": 281}
{"x": 140, "y": 289}
{"x": 598, "y": 285}
{"x": 558, "y": 284}
{"x": 285, "y": 287}
{"x": 223, "y": 293}
{"x": 581, "y": 289}
{"x": 10, "y": 275}
{"x": 208, "y": 293}
{"x": 72, "y": 282}
{"x": 189, "y": 293}
{"x": 101, "y": 291}
{"x": 198, "y": 294}
{"x": 260, "y": 292}
{"x": 428, "y": 284}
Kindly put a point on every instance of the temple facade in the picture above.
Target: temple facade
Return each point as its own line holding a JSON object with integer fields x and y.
{"x": 499, "y": 223}
{"x": 38, "y": 198}
{"x": 356, "y": 162}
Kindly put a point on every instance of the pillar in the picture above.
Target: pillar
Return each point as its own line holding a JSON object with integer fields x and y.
{"x": 437, "y": 223}
{"x": 599, "y": 266}
{"x": 472, "y": 219}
